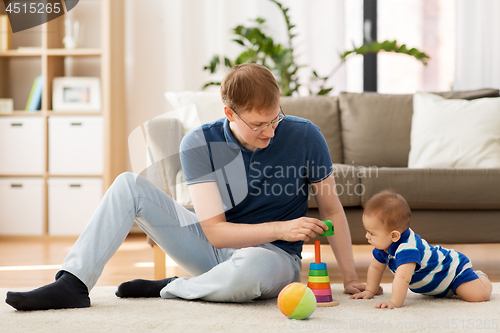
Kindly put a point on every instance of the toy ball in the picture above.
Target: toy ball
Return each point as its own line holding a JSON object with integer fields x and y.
{"x": 297, "y": 301}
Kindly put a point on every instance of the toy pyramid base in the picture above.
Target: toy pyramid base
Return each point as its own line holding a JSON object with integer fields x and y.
{"x": 327, "y": 304}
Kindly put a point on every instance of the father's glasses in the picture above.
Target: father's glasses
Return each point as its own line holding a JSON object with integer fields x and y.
{"x": 262, "y": 127}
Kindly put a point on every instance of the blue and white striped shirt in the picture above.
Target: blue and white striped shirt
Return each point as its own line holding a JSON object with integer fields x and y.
{"x": 437, "y": 268}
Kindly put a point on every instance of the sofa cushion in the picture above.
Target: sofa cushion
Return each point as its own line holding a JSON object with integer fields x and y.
{"x": 323, "y": 112}
{"x": 454, "y": 133}
{"x": 435, "y": 188}
{"x": 376, "y": 127}
{"x": 347, "y": 185}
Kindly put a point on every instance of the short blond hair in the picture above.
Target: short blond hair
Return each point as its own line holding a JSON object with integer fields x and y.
{"x": 391, "y": 209}
{"x": 249, "y": 87}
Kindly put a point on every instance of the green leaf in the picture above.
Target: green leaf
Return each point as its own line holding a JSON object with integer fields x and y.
{"x": 343, "y": 56}
{"x": 386, "y": 45}
{"x": 413, "y": 52}
{"x": 214, "y": 63}
{"x": 374, "y": 47}
{"x": 403, "y": 49}
{"x": 239, "y": 41}
{"x": 389, "y": 46}
{"x": 210, "y": 84}
{"x": 423, "y": 55}
{"x": 260, "y": 20}
{"x": 324, "y": 91}
{"x": 238, "y": 30}
{"x": 363, "y": 49}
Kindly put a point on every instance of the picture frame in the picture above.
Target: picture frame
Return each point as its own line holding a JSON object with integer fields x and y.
{"x": 6, "y": 105}
{"x": 76, "y": 94}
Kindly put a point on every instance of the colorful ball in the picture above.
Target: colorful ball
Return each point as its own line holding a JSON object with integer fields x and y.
{"x": 297, "y": 301}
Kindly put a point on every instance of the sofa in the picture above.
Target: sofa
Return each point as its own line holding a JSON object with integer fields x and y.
{"x": 369, "y": 137}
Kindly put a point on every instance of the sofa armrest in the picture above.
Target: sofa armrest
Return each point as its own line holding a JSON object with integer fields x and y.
{"x": 163, "y": 136}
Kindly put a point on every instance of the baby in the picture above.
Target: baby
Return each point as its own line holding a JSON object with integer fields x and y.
{"x": 425, "y": 269}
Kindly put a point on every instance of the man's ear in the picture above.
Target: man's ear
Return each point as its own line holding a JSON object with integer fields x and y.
{"x": 395, "y": 235}
{"x": 229, "y": 113}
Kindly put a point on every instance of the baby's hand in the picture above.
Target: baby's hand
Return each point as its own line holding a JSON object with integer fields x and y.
{"x": 363, "y": 295}
{"x": 386, "y": 305}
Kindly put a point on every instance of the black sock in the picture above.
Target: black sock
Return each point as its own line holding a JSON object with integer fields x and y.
{"x": 142, "y": 288}
{"x": 67, "y": 292}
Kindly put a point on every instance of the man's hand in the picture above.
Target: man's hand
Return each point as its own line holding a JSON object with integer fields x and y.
{"x": 355, "y": 287}
{"x": 386, "y": 305}
{"x": 301, "y": 229}
{"x": 363, "y": 295}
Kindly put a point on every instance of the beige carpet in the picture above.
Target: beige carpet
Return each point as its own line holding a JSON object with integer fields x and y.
{"x": 111, "y": 314}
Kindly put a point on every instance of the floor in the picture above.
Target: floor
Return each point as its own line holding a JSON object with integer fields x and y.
{"x": 32, "y": 263}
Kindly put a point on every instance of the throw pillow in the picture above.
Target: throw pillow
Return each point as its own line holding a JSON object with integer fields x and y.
{"x": 208, "y": 107}
{"x": 375, "y": 128}
{"x": 454, "y": 133}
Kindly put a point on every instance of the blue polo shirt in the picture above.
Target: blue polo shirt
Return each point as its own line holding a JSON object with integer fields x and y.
{"x": 269, "y": 184}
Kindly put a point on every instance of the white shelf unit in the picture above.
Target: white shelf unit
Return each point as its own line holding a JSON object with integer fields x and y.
{"x": 99, "y": 150}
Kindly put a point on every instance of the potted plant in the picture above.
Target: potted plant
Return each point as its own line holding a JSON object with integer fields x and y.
{"x": 259, "y": 47}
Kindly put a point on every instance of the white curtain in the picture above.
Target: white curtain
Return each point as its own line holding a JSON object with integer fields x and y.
{"x": 478, "y": 44}
{"x": 169, "y": 41}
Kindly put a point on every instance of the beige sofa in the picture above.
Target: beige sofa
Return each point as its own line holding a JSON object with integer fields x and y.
{"x": 369, "y": 139}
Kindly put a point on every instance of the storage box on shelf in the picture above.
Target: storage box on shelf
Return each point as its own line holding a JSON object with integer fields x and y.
{"x": 21, "y": 207}
{"x": 56, "y": 145}
{"x": 75, "y": 145}
{"x": 72, "y": 201}
{"x": 21, "y": 149}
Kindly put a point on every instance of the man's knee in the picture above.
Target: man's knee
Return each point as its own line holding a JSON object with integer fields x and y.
{"x": 257, "y": 264}
{"x": 248, "y": 263}
{"x": 263, "y": 270}
{"x": 130, "y": 179}
{"x": 125, "y": 178}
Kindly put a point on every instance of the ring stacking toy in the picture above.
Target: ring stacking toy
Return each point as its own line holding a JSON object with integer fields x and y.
{"x": 319, "y": 282}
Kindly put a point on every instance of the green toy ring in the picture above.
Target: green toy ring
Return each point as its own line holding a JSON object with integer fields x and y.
{"x": 330, "y": 231}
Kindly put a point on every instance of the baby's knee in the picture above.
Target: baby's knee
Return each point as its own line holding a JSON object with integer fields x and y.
{"x": 474, "y": 291}
{"x": 480, "y": 296}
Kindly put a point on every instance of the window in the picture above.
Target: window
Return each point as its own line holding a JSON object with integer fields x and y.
{"x": 428, "y": 25}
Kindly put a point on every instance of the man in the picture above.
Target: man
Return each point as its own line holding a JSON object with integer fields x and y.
{"x": 249, "y": 176}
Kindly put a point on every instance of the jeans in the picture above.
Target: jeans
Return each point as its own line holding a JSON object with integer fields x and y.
{"x": 221, "y": 275}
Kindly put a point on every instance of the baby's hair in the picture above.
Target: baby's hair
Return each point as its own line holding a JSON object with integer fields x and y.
{"x": 389, "y": 208}
{"x": 249, "y": 87}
